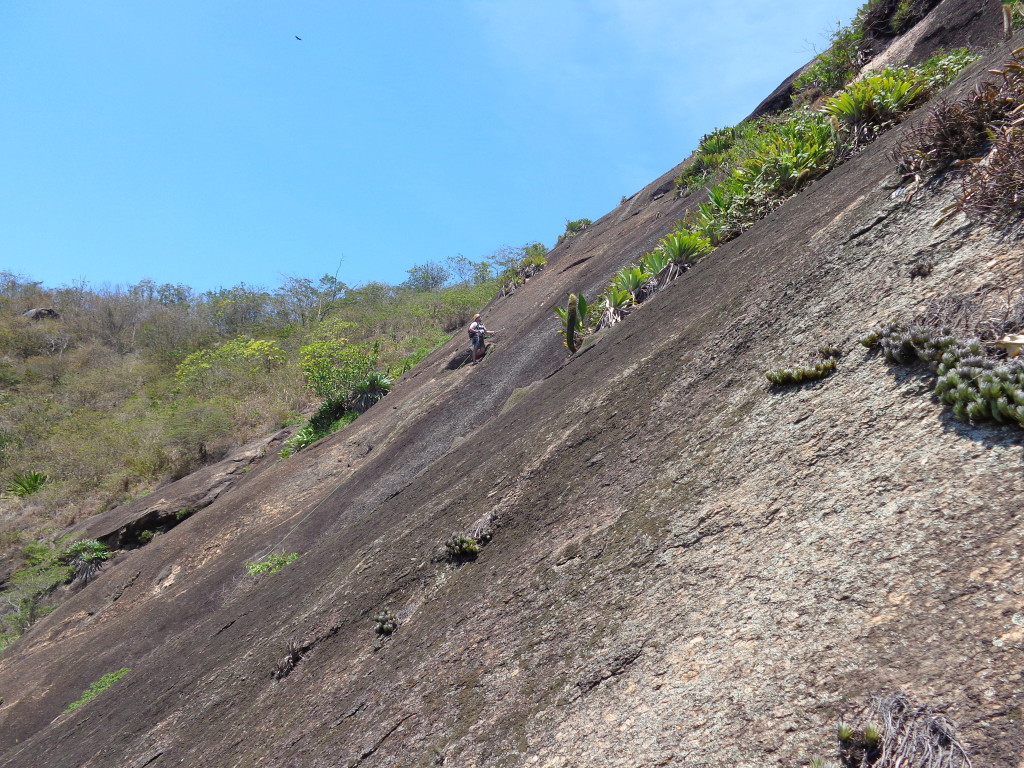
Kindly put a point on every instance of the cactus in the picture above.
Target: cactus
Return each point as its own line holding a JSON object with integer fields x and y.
{"x": 801, "y": 373}
{"x": 385, "y": 623}
{"x": 461, "y": 547}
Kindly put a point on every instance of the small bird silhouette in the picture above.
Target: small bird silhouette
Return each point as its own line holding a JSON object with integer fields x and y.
{"x": 297, "y": 37}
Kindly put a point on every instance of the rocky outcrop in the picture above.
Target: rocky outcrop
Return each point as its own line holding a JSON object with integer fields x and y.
{"x": 684, "y": 565}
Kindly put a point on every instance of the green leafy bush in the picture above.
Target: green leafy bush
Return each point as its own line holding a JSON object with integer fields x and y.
{"x": 369, "y": 390}
{"x": 682, "y": 246}
{"x": 781, "y": 158}
{"x": 333, "y": 367}
{"x": 576, "y": 226}
{"x": 97, "y": 688}
{"x": 873, "y": 103}
{"x": 234, "y": 364}
{"x": 270, "y": 564}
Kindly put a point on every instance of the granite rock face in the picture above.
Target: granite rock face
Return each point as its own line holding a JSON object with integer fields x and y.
{"x": 685, "y": 566}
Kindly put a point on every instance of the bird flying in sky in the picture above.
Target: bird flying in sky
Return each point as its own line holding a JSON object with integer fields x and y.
{"x": 297, "y": 37}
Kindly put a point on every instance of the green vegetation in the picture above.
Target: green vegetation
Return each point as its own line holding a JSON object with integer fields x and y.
{"x": 461, "y": 547}
{"x": 802, "y": 373}
{"x": 97, "y": 688}
{"x": 980, "y": 132}
{"x": 43, "y": 567}
{"x": 26, "y": 484}
{"x": 971, "y": 377}
{"x": 385, "y": 623}
{"x": 850, "y": 45}
{"x": 834, "y": 67}
{"x": 270, "y": 564}
{"x": 519, "y": 265}
{"x": 874, "y": 102}
{"x": 129, "y": 387}
{"x": 574, "y": 320}
{"x": 573, "y": 228}
{"x": 85, "y": 558}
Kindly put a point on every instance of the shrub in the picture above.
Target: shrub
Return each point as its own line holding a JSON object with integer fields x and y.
{"x": 234, "y": 363}
{"x": 270, "y": 564}
{"x": 683, "y": 246}
{"x": 97, "y": 688}
{"x": 777, "y": 161}
{"x": 26, "y": 484}
{"x": 573, "y": 228}
{"x": 369, "y": 390}
{"x": 329, "y": 417}
{"x": 332, "y": 368}
{"x": 992, "y": 189}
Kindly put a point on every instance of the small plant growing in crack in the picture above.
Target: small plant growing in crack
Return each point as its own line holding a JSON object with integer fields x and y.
{"x": 290, "y": 660}
{"x": 270, "y": 564}
{"x": 385, "y": 624}
{"x": 897, "y": 732}
{"x": 461, "y": 548}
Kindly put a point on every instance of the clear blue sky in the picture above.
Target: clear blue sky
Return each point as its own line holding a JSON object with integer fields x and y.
{"x": 198, "y": 142}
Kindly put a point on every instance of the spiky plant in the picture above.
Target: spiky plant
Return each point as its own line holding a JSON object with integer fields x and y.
{"x": 614, "y": 304}
{"x": 86, "y": 558}
{"x": 26, "y": 484}
{"x": 683, "y": 246}
{"x": 369, "y": 390}
{"x": 385, "y": 623}
{"x": 874, "y": 102}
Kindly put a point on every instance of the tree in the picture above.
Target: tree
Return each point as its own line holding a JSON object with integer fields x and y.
{"x": 469, "y": 271}
{"x": 427, "y": 277}
{"x": 237, "y": 309}
{"x": 307, "y": 303}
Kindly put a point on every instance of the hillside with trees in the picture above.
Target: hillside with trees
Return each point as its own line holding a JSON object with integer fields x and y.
{"x": 112, "y": 391}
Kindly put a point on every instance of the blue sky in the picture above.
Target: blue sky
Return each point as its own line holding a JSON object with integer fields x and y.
{"x": 198, "y": 142}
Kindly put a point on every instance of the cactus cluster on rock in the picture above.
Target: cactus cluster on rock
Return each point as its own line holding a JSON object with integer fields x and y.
{"x": 976, "y": 383}
{"x": 802, "y": 373}
{"x": 461, "y": 547}
{"x": 385, "y": 623}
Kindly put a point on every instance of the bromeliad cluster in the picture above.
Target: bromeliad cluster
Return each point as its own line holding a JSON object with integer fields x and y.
{"x": 631, "y": 286}
{"x": 977, "y": 384}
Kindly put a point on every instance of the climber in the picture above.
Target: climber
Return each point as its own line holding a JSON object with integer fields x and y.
{"x": 477, "y": 334}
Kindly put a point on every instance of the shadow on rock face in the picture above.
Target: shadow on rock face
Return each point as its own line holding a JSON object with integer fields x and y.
{"x": 461, "y": 358}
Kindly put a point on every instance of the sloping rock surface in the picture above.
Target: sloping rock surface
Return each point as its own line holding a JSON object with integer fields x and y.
{"x": 686, "y": 568}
